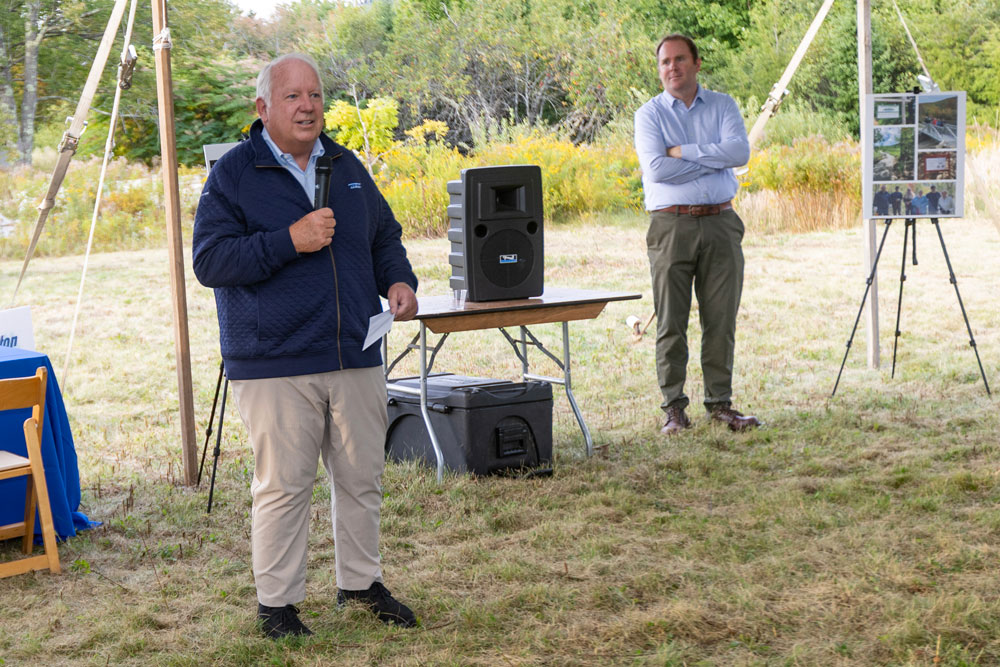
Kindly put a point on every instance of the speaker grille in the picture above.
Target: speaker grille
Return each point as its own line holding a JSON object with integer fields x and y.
{"x": 507, "y": 258}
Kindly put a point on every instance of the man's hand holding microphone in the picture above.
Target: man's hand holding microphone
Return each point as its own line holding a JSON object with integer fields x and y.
{"x": 314, "y": 231}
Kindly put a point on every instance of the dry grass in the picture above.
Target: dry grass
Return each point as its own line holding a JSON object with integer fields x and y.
{"x": 853, "y": 531}
{"x": 798, "y": 211}
{"x": 982, "y": 187}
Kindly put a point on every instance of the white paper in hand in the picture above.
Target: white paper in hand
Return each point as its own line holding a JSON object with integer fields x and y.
{"x": 378, "y": 326}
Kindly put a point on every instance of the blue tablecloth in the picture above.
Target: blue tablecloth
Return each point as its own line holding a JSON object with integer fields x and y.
{"x": 58, "y": 454}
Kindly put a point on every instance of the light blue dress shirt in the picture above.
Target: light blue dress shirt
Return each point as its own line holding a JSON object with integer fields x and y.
{"x": 306, "y": 177}
{"x": 713, "y": 141}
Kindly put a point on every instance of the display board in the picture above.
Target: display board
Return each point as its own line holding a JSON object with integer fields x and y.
{"x": 917, "y": 169}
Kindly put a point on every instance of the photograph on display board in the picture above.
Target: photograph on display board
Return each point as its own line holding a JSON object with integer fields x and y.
{"x": 917, "y": 151}
{"x": 888, "y": 199}
{"x": 900, "y": 200}
{"x": 937, "y": 120}
{"x": 892, "y": 157}
{"x": 894, "y": 110}
{"x": 936, "y": 165}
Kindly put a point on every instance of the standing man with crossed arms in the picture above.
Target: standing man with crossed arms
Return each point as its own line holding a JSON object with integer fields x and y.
{"x": 688, "y": 140}
{"x": 295, "y": 288}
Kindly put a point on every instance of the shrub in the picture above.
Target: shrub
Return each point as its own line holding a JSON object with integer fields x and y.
{"x": 130, "y": 216}
{"x": 576, "y": 179}
{"x": 415, "y": 183}
{"x": 811, "y": 163}
{"x": 367, "y": 131}
{"x": 809, "y": 184}
{"x": 806, "y": 186}
{"x": 793, "y": 122}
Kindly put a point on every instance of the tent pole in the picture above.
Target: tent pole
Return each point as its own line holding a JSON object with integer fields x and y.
{"x": 71, "y": 138}
{"x": 175, "y": 248}
{"x": 864, "y": 90}
{"x": 779, "y": 90}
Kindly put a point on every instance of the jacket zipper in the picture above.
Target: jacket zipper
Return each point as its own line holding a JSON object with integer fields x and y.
{"x": 336, "y": 290}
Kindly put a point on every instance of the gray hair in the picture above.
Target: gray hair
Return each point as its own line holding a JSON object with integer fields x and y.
{"x": 264, "y": 78}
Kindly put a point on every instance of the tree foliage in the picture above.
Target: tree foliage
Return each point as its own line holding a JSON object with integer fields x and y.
{"x": 960, "y": 44}
{"x": 369, "y": 130}
{"x": 829, "y": 78}
{"x": 213, "y": 93}
{"x": 576, "y": 65}
{"x": 28, "y": 31}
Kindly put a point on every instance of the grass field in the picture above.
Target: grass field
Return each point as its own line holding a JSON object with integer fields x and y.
{"x": 854, "y": 531}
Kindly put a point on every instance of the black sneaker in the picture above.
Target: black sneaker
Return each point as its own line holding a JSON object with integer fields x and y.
{"x": 278, "y": 622}
{"x": 380, "y": 602}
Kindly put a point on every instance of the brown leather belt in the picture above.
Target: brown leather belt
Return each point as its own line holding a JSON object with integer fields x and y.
{"x": 697, "y": 210}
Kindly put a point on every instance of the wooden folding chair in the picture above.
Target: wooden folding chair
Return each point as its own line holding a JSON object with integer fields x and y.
{"x": 15, "y": 394}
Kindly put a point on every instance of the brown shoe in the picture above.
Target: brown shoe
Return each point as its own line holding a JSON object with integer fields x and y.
{"x": 734, "y": 419}
{"x": 676, "y": 422}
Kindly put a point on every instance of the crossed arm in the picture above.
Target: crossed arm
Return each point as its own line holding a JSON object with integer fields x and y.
{"x": 667, "y": 159}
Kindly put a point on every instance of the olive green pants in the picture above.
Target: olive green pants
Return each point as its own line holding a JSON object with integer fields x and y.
{"x": 704, "y": 252}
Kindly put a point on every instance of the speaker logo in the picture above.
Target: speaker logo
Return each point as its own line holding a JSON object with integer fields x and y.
{"x": 508, "y": 259}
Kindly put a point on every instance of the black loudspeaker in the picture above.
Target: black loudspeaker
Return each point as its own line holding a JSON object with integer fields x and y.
{"x": 495, "y": 229}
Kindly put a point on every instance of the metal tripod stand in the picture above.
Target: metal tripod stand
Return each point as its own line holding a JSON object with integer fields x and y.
{"x": 223, "y": 383}
{"x": 911, "y": 224}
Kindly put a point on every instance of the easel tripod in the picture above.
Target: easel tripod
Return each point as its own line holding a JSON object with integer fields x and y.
{"x": 223, "y": 383}
{"x": 910, "y": 223}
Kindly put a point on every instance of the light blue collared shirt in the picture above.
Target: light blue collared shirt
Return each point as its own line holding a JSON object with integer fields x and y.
{"x": 307, "y": 177}
{"x": 712, "y": 138}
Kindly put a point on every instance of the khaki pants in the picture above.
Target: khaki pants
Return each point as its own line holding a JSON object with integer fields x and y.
{"x": 292, "y": 421}
{"x": 704, "y": 251}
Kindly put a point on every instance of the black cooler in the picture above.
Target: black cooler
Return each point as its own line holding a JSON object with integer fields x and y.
{"x": 482, "y": 425}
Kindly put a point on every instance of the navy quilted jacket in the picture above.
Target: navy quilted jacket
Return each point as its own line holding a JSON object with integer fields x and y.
{"x": 282, "y": 313}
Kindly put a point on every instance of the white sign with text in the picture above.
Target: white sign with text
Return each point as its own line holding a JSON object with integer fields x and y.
{"x": 16, "y": 329}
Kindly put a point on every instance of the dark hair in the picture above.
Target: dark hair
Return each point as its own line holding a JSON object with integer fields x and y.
{"x": 676, "y": 36}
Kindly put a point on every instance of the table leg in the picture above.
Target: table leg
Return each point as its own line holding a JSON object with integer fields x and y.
{"x": 524, "y": 351}
{"x": 564, "y": 366}
{"x": 569, "y": 391}
{"x": 385, "y": 357}
{"x": 423, "y": 404}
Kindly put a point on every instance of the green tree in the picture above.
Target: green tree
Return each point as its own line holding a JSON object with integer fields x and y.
{"x": 367, "y": 129}
{"x": 828, "y": 77}
{"x": 213, "y": 103}
{"x": 716, "y": 25}
{"x": 27, "y": 29}
{"x": 349, "y": 46}
{"x": 213, "y": 86}
{"x": 960, "y": 44}
{"x": 294, "y": 27}
{"x": 607, "y": 65}
{"x": 558, "y": 62}
{"x": 436, "y": 10}
{"x": 425, "y": 66}
{"x": 766, "y": 46}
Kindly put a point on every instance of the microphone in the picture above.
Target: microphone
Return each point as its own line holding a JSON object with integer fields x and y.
{"x": 324, "y": 169}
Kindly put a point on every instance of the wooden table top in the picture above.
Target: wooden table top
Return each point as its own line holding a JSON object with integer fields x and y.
{"x": 556, "y": 304}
